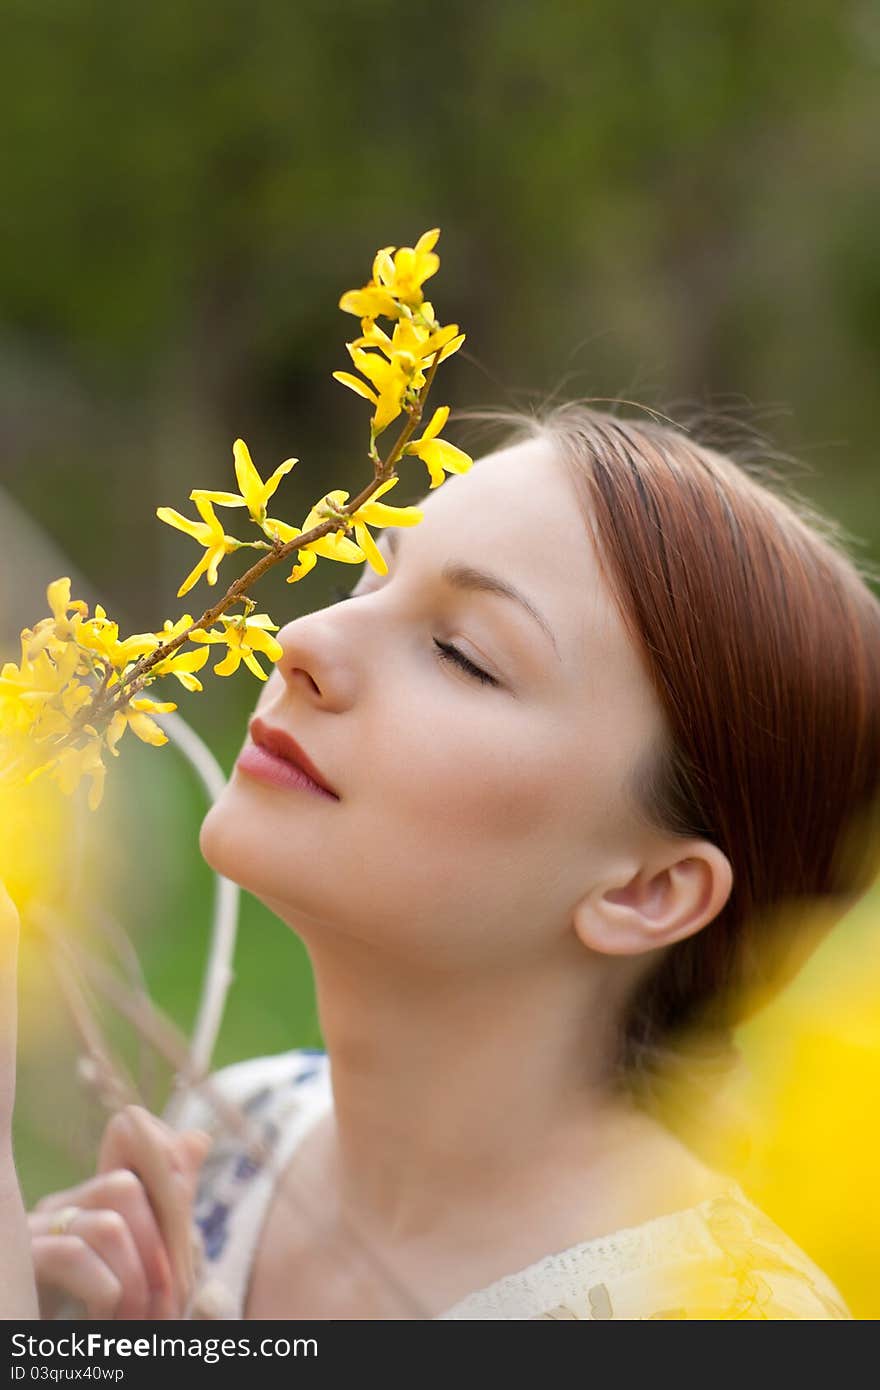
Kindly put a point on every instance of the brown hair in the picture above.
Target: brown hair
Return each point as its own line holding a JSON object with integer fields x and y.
{"x": 761, "y": 638}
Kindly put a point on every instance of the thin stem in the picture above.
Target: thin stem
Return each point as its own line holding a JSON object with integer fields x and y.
{"x": 144, "y": 1015}
{"x": 114, "y": 1086}
{"x": 130, "y": 963}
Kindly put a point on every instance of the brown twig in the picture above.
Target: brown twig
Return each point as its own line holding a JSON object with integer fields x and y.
{"x": 135, "y": 680}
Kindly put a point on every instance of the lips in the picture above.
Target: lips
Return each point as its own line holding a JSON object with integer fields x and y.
{"x": 283, "y": 745}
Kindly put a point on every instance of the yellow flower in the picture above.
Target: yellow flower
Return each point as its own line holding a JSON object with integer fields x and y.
{"x": 57, "y": 715}
{"x": 101, "y": 636}
{"x": 371, "y": 301}
{"x": 97, "y": 635}
{"x": 336, "y": 547}
{"x": 59, "y": 628}
{"x": 398, "y": 367}
{"x": 437, "y": 454}
{"x": 391, "y": 380}
{"x": 58, "y": 594}
{"x": 209, "y": 533}
{"x": 397, "y": 280}
{"x": 171, "y": 629}
{"x": 181, "y": 664}
{"x": 136, "y": 716}
{"x": 244, "y": 636}
{"x": 396, "y": 372}
{"x": 374, "y": 513}
{"x": 404, "y": 274}
{"x": 255, "y": 493}
{"x": 412, "y": 338}
{"x": 72, "y": 764}
{"x": 27, "y": 688}
{"x": 332, "y": 546}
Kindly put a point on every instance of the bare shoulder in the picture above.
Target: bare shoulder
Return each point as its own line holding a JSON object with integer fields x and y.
{"x": 774, "y": 1277}
{"x": 648, "y": 1172}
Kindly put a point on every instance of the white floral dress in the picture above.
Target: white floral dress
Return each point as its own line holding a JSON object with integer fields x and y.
{"x": 722, "y": 1259}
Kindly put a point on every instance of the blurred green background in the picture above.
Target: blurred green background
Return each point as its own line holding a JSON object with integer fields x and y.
{"x": 678, "y": 206}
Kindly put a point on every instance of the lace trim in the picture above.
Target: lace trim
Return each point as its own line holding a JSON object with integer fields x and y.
{"x": 680, "y": 1235}
{"x": 721, "y": 1259}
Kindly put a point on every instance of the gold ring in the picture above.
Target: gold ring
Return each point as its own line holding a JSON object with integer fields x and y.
{"x": 62, "y": 1220}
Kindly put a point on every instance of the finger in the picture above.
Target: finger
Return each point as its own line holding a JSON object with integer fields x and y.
{"x": 107, "y": 1234}
{"x": 138, "y": 1140}
{"x": 67, "y": 1263}
{"x": 120, "y": 1190}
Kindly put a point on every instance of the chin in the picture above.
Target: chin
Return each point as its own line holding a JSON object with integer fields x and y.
{"x": 238, "y": 847}
{"x": 212, "y": 835}
{"x": 225, "y": 848}
{"x": 227, "y": 841}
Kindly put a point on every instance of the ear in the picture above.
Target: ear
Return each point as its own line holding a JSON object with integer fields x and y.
{"x": 661, "y": 903}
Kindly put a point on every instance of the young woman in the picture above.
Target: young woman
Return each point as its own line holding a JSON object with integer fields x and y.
{"x": 591, "y": 751}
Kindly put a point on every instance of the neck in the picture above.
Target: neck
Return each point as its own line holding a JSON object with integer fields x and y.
{"x": 457, "y": 1095}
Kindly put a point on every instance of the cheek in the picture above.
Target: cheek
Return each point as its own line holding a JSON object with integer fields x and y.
{"x": 504, "y": 822}
{"x": 475, "y": 827}
{"x": 501, "y": 774}
{"x": 492, "y": 790}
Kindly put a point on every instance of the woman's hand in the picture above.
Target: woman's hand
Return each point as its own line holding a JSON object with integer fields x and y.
{"x": 18, "y": 1298}
{"x": 128, "y": 1249}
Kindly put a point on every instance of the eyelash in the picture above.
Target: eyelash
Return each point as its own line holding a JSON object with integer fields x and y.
{"x": 445, "y": 650}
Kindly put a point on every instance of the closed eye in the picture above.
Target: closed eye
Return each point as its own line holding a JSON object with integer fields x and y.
{"x": 445, "y": 650}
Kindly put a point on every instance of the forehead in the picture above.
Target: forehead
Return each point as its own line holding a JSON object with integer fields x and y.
{"x": 517, "y": 515}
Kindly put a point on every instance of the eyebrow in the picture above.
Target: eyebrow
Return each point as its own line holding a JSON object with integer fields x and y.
{"x": 466, "y": 577}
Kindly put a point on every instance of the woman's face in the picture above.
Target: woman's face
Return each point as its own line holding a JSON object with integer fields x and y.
{"x": 471, "y": 816}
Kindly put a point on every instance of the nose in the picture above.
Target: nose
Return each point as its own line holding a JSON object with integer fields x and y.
{"x": 316, "y": 664}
